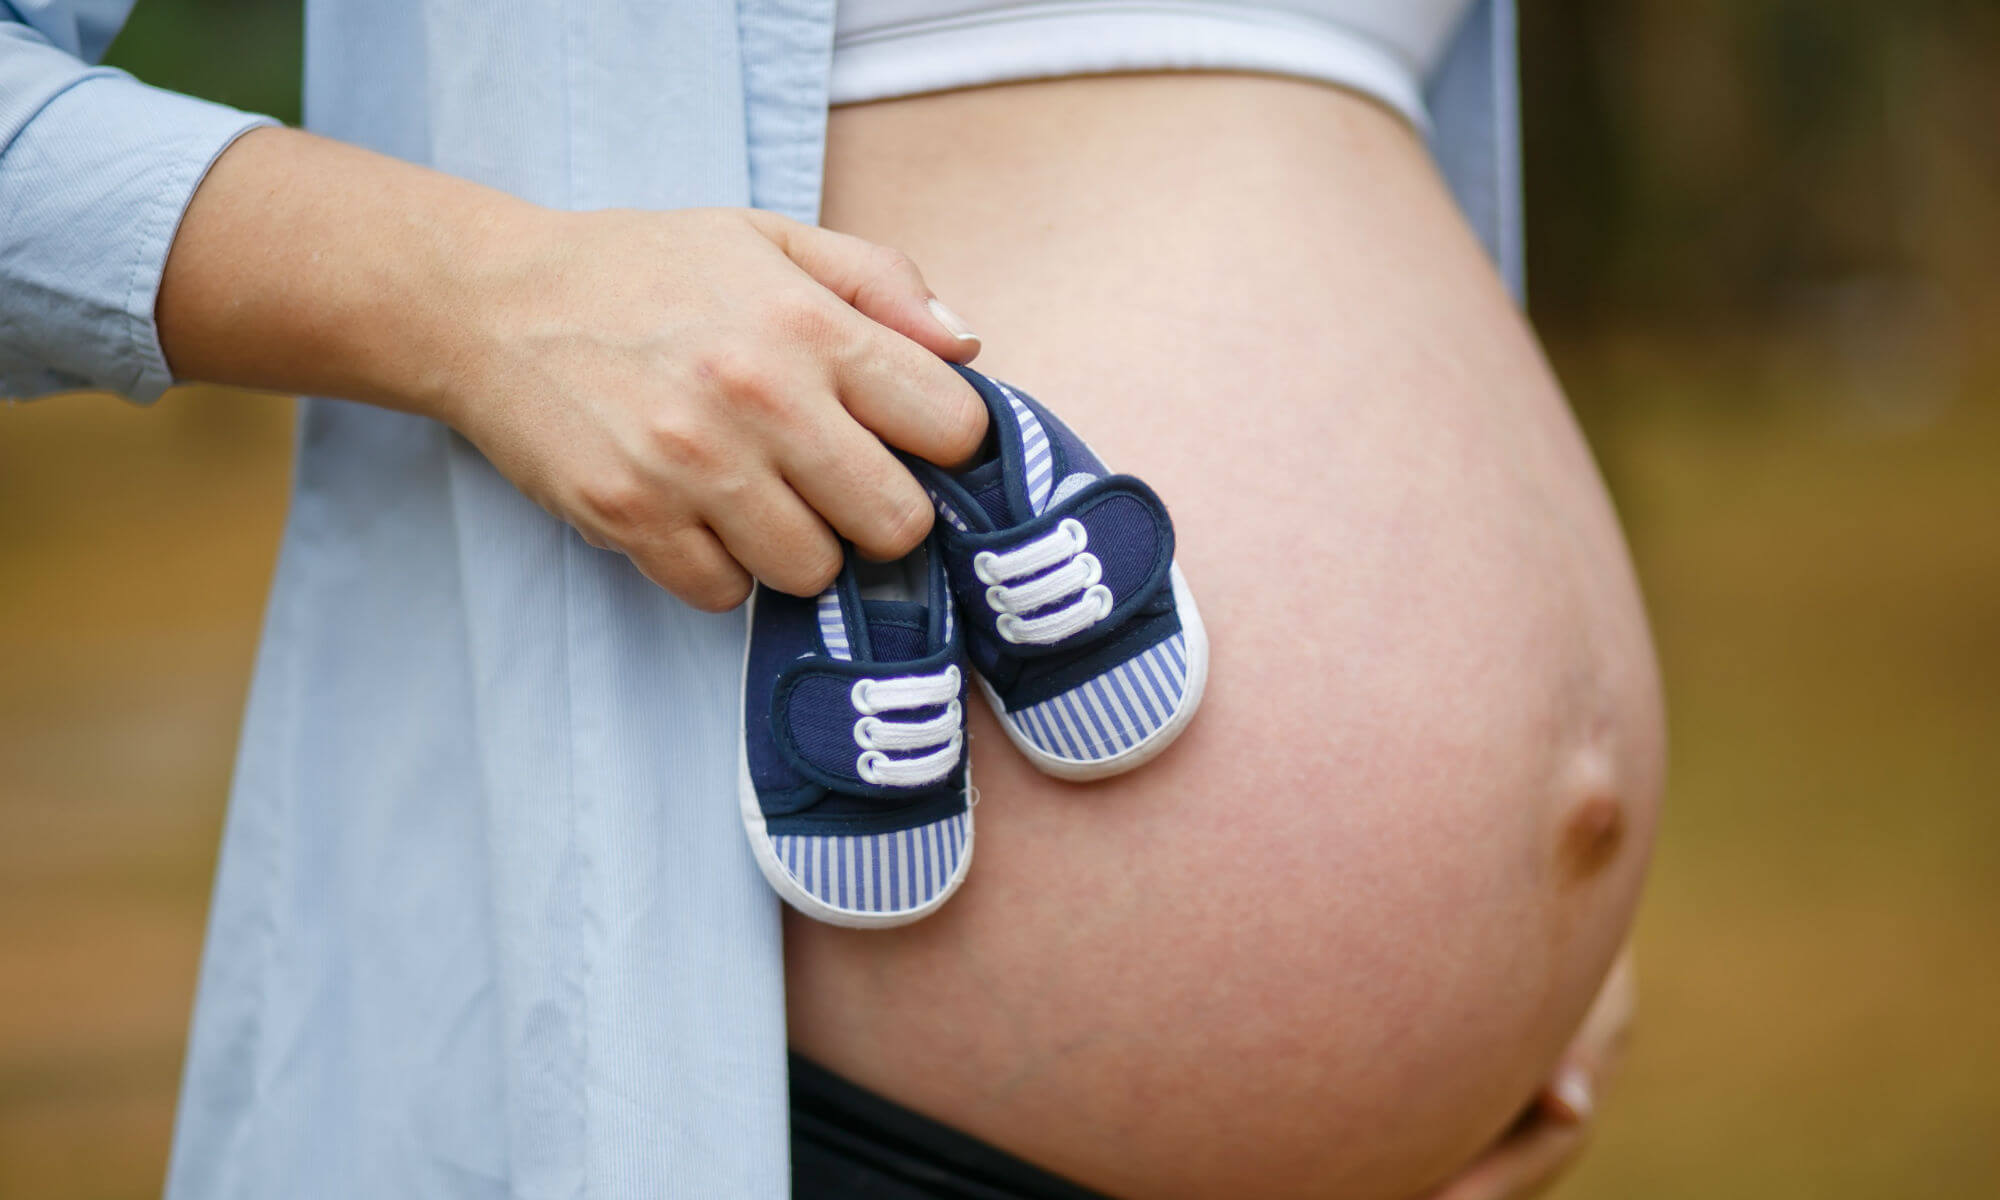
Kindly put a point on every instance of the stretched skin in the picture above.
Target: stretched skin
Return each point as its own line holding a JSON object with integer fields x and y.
{"x": 1333, "y": 939}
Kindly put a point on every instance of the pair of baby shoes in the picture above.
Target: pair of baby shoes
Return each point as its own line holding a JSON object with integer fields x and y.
{"x": 1050, "y": 580}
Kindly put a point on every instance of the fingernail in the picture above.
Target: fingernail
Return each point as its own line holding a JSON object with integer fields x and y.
{"x": 1572, "y": 1088}
{"x": 953, "y": 323}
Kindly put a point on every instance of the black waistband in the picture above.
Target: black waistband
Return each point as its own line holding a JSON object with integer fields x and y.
{"x": 848, "y": 1142}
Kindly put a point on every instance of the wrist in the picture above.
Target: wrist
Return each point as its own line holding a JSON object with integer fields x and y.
{"x": 441, "y": 341}
{"x": 306, "y": 265}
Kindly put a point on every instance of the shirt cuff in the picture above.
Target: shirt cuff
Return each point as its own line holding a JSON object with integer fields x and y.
{"x": 94, "y": 186}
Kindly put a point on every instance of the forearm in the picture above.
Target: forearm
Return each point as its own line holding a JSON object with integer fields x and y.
{"x": 307, "y": 265}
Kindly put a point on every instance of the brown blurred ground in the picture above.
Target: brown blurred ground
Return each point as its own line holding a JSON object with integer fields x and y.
{"x": 135, "y": 548}
{"x": 1764, "y": 241}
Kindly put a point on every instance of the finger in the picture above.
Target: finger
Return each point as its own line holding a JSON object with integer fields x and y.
{"x": 1556, "y": 1127}
{"x": 1570, "y": 1096}
{"x": 1522, "y": 1165}
{"x": 1597, "y": 1050}
{"x": 1608, "y": 1028}
{"x": 854, "y": 483}
{"x": 908, "y": 398}
{"x": 880, "y": 281}
{"x": 692, "y": 564}
{"x": 776, "y": 537}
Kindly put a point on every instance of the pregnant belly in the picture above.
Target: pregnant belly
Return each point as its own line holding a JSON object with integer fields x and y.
{"x": 1329, "y": 943}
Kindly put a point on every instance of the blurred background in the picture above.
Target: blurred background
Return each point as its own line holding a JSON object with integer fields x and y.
{"x": 1764, "y": 241}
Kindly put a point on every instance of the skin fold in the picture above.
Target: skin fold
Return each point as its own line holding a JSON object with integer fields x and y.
{"x": 1334, "y": 939}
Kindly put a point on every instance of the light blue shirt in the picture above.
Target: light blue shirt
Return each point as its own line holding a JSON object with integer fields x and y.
{"x": 485, "y": 924}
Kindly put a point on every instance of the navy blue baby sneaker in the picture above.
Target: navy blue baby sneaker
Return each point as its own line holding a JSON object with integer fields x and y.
{"x": 853, "y": 774}
{"x": 1080, "y": 627}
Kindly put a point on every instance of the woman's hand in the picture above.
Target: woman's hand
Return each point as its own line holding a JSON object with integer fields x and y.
{"x": 1554, "y": 1129}
{"x": 709, "y": 391}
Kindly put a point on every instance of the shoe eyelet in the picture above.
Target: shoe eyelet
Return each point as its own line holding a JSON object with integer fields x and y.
{"x": 866, "y": 764}
{"x": 982, "y": 566}
{"x": 1007, "y": 626}
{"x": 864, "y": 732}
{"x": 1077, "y": 533}
{"x": 859, "y": 697}
{"x": 1105, "y": 601}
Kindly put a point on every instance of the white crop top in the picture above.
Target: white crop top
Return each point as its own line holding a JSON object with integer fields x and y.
{"x": 1384, "y": 48}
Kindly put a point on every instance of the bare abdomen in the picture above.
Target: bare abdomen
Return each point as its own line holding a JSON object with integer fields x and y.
{"x": 1329, "y": 943}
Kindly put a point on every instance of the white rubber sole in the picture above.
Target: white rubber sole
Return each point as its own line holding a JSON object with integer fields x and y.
{"x": 767, "y": 858}
{"x": 1081, "y": 770}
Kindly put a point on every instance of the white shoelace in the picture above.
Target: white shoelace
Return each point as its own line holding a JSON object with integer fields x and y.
{"x": 876, "y": 735}
{"x": 1077, "y": 573}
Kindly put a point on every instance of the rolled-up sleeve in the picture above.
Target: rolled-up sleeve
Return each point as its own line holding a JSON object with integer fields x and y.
{"x": 96, "y": 170}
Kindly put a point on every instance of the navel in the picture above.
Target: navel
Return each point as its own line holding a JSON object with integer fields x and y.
{"x": 1592, "y": 831}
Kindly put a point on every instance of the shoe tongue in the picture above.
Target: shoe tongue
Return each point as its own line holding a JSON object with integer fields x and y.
{"x": 898, "y": 630}
{"x": 984, "y": 484}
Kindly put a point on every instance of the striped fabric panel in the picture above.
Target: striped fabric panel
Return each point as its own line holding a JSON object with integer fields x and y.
{"x": 880, "y": 873}
{"x": 1035, "y": 452}
{"x": 1113, "y": 712}
{"x": 949, "y": 513}
{"x": 832, "y": 626}
{"x": 957, "y": 522}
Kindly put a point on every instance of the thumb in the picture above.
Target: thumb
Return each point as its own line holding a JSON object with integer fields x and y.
{"x": 878, "y": 281}
{"x": 1597, "y": 1048}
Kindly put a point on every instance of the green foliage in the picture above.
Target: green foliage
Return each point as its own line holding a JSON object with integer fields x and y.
{"x": 245, "y": 53}
{"x": 1708, "y": 161}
